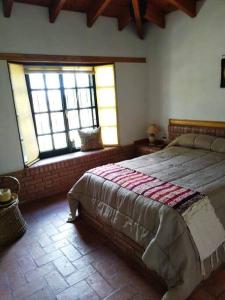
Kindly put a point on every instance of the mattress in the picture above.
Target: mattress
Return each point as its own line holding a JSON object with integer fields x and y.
{"x": 160, "y": 230}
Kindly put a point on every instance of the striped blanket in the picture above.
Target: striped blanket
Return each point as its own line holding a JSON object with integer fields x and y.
{"x": 178, "y": 197}
{"x": 195, "y": 208}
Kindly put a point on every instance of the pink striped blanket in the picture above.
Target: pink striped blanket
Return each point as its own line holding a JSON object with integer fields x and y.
{"x": 170, "y": 194}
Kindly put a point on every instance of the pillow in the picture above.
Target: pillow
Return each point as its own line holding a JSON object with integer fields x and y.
{"x": 200, "y": 141}
{"x": 91, "y": 139}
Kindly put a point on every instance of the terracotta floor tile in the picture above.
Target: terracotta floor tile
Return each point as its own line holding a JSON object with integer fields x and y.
{"x": 99, "y": 284}
{"x": 5, "y": 292}
{"x": 29, "y": 289}
{"x": 26, "y": 263}
{"x": 39, "y": 272}
{"x": 81, "y": 291}
{"x": 42, "y": 260}
{"x": 80, "y": 275}
{"x": 71, "y": 253}
{"x": 67, "y": 261}
{"x": 83, "y": 261}
{"x": 56, "y": 282}
{"x": 64, "y": 266}
{"x": 44, "y": 294}
{"x": 126, "y": 293}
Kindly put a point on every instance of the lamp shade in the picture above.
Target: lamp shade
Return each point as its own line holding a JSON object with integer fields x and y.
{"x": 153, "y": 129}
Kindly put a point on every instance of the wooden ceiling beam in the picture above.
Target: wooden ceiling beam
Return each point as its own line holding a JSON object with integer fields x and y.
{"x": 187, "y": 6}
{"x": 7, "y": 7}
{"x": 138, "y": 20}
{"x": 154, "y": 15}
{"x": 96, "y": 10}
{"x": 124, "y": 19}
{"x": 54, "y": 9}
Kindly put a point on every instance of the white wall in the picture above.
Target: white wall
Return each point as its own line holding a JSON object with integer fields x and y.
{"x": 28, "y": 31}
{"x": 131, "y": 81}
{"x": 184, "y": 65}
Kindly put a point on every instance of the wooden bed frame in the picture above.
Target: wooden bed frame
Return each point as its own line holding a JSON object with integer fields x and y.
{"x": 178, "y": 127}
{"x": 128, "y": 249}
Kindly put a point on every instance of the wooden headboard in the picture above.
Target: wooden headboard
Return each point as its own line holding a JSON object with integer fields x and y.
{"x": 177, "y": 127}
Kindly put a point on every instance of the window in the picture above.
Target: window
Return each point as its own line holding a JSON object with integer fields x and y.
{"x": 61, "y": 104}
{"x": 53, "y": 102}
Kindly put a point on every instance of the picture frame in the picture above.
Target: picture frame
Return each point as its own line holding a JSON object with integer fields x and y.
{"x": 222, "y": 84}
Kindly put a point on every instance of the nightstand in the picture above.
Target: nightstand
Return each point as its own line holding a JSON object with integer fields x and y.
{"x": 143, "y": 147}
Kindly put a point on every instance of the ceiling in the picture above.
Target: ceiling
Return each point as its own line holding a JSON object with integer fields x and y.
{"x": 139, "y": 12}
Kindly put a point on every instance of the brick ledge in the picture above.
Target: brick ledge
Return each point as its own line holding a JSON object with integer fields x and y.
{"x": 53, "y": 176}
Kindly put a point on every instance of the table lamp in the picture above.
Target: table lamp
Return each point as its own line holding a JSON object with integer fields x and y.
{"x": 152, "y": 131}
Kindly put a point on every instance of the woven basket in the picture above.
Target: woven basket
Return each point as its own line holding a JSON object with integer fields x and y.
{"x": 12, "y": 224}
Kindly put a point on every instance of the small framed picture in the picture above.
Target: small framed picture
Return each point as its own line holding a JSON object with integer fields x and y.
{"x": 222, "y": 84}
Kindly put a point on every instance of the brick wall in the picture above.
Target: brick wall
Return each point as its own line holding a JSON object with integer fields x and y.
{"x": 48, "y": 179}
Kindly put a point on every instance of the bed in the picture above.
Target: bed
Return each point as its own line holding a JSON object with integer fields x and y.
{"x": 153, "y": 234}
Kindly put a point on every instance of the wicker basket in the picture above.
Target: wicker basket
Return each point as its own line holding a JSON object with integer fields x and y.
{"x": 12, "y": 224}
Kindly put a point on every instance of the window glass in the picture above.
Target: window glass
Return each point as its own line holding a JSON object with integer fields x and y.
{"x": 42, "y": 123}
{"x": 36, "y": 81}
{"x": 105, "y": 76}
{"x": 109, "y": 135}
{"x": 82, "y": 80}
{"x": 45, "y": 143}
{"x": 86, "y": 118}
{"x": 73, "y": 119}
{"x": 57, "y": 121}
{"x": 52, "y": 80}
{"x": 106, "y": 97}
{"x": 107, "y": 116}
{"x": 69, "y": 80}
{"x": 66, "y": 102}
{"x": 71, "y": 98}
{"x": 59, "y": 140}
{"x": 39, "y": 101}
{"x": 54, "y": 99}
{"x": 84, "y": 97}
{"x": 75, "y": 138}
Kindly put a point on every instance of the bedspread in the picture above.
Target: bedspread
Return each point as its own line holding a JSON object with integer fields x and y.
{"x": 159, "y": 229}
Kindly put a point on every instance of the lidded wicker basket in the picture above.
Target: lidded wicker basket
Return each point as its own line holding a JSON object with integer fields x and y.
{"x": 12, "y": 223}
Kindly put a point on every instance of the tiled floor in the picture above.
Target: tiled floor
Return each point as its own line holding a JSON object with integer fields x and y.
{"x": 57, "y": 260}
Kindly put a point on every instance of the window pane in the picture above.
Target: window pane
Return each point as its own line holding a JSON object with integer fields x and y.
{"x": 86, "y": 118}
{"x": 60, "y": 140}
{"x": 42, "y": 123}
{"x": 84, "y": 97}
{"x": 45, "y": 143}
{"x": 73, "y": 119}
{"x": 107, "y": 116}
{"x": 71, "y": 99}
{"x": 74, "y": 137}
{"x": 69, "y": 80}
{"x": 36, "y": 81}
{"x": 52, "y": 80}
{"x": 82, "y": 80}
{"x": 94, "y": 117}
{"x": 39, "y": 101}
{"x": 57, "y": 122}
{"x": 55, "y": 101}
{"x": 104, "y": 76}
{"x": 109, "y": 135}
{"x": 106, "y": 97}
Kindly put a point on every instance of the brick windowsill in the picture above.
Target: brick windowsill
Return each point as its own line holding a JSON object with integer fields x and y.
{"x": 69, "y": 156}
